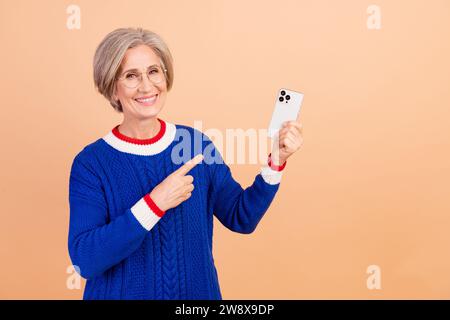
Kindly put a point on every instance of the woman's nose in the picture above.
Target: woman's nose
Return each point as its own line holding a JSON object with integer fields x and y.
{"x": 145, "y": 85}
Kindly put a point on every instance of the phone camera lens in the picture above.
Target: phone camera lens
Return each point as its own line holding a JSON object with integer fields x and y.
{"x": 281, "y": 99}
{"x": 288, "y": 97}
{"x": 283, "y": 92}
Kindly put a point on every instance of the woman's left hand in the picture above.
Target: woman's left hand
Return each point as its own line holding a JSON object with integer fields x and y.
{"x": 288, "y": 141}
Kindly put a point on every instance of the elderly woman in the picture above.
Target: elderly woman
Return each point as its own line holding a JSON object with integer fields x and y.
{"x": 141, "y": 221}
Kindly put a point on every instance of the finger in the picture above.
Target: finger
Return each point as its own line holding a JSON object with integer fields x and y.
{"x": 294, "y": 144}
{"x": 183, "y": 197}
{"x": 184, "y": 189}
{"x": 298, "y": 131}
{"x": 292, "y": 131}
{"x": 282, "y": 138}
{"x": 189, "y": 188}
{"x": 292, "y": 135}
{"x": 291, "y": 122}
{"x": 288, "y": 141}
{"x": 288, "y": 134}
{"x": 283, "y": 131}
{"x": 188, "y": 179}
{"x": 294, "y": 124}
{"x": 189, "y": 165}
{"x": 285, "y": 144}
{"x": 289, "y": 146}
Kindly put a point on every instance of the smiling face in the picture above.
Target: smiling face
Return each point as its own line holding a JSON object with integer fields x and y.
{"x": 147, "y": 99}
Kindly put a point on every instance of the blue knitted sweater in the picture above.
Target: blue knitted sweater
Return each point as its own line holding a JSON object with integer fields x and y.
{"x": 124, "y": 247}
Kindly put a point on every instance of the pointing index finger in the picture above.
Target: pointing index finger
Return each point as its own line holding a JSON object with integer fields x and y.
{"x": 189, "y": 165}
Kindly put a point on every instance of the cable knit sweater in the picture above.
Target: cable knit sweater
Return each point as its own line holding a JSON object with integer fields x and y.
{"x": 128, "y": 249}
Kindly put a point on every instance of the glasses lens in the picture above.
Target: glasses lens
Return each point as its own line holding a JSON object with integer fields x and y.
{"x": 155, "y": 75}
{"x": 131, "y": 79}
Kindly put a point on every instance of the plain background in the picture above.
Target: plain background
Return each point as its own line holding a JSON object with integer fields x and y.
{"x": 370, "y": 185}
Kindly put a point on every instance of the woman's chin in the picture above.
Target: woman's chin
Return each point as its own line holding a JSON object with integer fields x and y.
{"x": 146, "y": 112}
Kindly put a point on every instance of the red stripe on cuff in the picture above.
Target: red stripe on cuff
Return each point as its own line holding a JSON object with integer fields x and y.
{"x": 274, "y": 167}
{"x": 152, "y": 205}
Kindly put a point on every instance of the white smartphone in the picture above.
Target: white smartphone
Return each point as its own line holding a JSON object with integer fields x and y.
{"x": 287, "y": 108}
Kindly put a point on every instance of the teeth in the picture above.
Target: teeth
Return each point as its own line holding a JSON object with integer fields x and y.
{"x": 147, "y": 99}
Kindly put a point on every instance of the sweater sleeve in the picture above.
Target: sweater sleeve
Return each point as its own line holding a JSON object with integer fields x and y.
{"x": 95, "y": 243}
{"x": 239, "y": 209}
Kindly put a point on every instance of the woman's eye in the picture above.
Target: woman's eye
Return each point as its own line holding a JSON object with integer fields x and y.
{"x": 130, "y": 76}
{"x": 153, "y": 71}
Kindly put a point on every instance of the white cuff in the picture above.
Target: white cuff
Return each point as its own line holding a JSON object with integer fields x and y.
{"x": 271, "y": 176}
{"x": 146, "y": 217}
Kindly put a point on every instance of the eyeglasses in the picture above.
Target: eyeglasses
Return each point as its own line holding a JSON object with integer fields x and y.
{"x": 133, "y": 78}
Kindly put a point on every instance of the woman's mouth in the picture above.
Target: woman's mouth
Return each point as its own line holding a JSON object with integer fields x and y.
{"x": 147, "y": 101}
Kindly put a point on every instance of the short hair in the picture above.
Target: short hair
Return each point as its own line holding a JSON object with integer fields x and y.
{"x": 111, "y": 51}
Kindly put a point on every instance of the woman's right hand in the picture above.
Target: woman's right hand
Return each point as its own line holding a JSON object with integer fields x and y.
{"x": 177, "y": 187}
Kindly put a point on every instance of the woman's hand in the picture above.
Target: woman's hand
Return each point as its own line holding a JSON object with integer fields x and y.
{"x": 176, "y": 188}
{"x": 288, "y": 140}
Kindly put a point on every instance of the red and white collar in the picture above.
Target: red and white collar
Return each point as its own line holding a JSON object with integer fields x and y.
{"x": 142, "y": 147}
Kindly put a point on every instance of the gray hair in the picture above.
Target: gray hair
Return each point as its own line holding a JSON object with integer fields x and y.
{"x": 111, "y": 51}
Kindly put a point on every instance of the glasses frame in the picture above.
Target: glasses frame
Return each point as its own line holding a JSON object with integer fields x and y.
{"x": 141, "y": 77}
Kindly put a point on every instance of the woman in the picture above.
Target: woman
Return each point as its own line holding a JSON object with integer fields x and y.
{"x": 141, "y": 222}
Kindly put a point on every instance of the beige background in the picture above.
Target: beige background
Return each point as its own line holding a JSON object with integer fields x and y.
{"x": 369, "y": 186}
